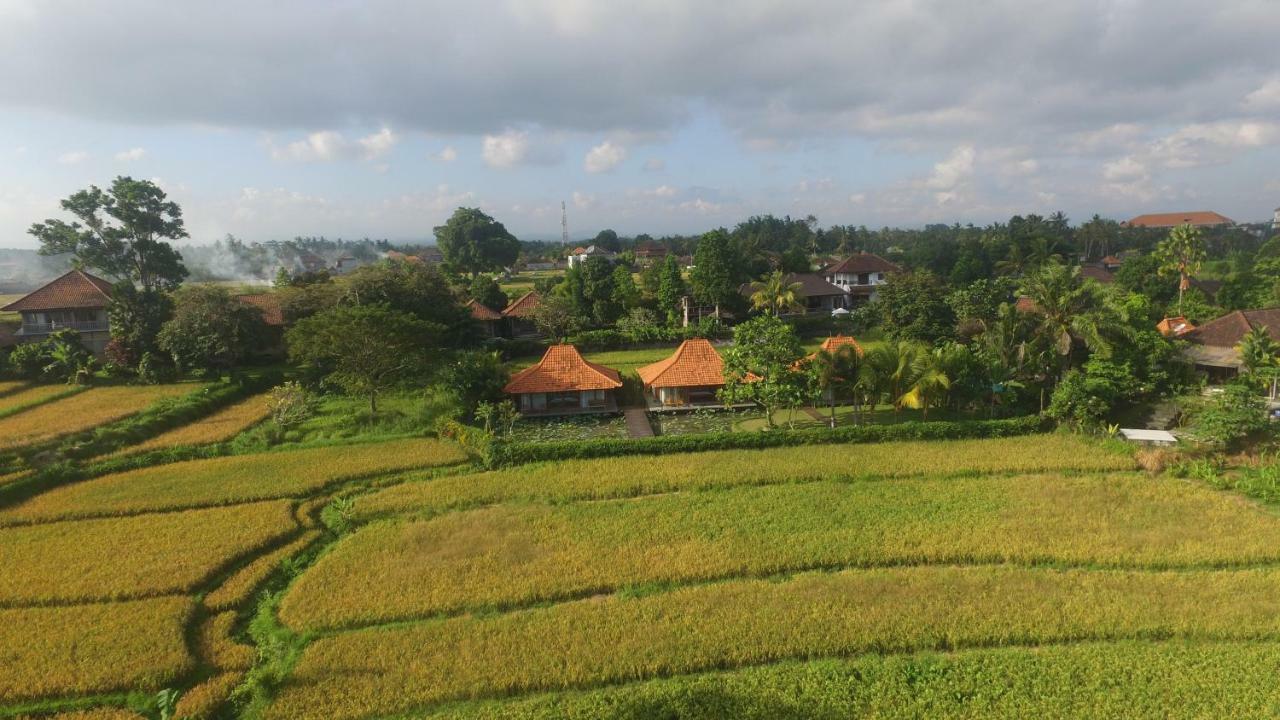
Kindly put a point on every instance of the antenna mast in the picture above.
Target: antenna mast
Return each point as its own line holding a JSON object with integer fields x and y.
{"x": 564, "y": 224}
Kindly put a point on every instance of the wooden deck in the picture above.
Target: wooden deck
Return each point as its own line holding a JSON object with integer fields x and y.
{"x": 638, "y": 425}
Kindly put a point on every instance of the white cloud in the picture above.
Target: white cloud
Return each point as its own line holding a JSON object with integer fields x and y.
{"x": 1266, "y": 97}
{"x": 131, "y": 155}
{"x": 517, "y": 147}
{"x": 447, "y": 154}
{"x": 331, "y": 145}
{"x": 74, "y": 157}
{"x": 378, "y": 144}
{"x": 583, "y": 201}
{"x": 857, "y": 198}
{"x": 957, "y": 168}
{"x": 655, "y": 165}
{"x": 663, "y": 191}
{"x": 604, "y": 157}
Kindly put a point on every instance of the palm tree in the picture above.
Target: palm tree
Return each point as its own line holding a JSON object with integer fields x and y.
{"x": 891, "y": 367}
{"x": 930, "y": 381}
{"x": 1182, "y": 253}
{"x": 834, "y": 370}
{"x": 773, "y": 294}
{"x": 1067, "y": 310}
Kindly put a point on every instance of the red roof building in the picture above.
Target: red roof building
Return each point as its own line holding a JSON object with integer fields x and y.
{"x": 74, "y": 301}
{"x": 1215, "y": 344}
{"x": 859, "y": 275}
{"x": 1198, "y": 218}
{"x": 523, "y": 306}
{"x": 486, "y": 317}
{"x": 1175, "y": 326}
{"x": 563, "y": 383}
{"x": 690, "y": 377}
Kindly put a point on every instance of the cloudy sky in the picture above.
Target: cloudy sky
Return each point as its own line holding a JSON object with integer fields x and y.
{"x": 378, "y": 117}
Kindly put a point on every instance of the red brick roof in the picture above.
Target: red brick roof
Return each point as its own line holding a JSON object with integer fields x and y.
{"x": 1200, "y": 218}
{"x": 268, "y": 304}
{"x": 1174, "y": 326}
{"x": 863, "y": 262}
{"x": 524, "y": 306}
{"x": 1230, "y": 329}
{"x": 838, "y": 341}
{"x": 1097, "y": 272}
{"x": 562, "y": 369}
{"x": 482, "y": 312}
{"x": 694, "y": 364}
{"x": 76, "y": 289}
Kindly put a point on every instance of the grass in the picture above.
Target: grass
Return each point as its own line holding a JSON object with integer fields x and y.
{"x": 83, "y": 649}
{"x": 218, "y": 427}
{"x": 619, "y": 639}
{"x": 82, "y": 411}
{"x": 1113, "y": 681}
{"x": 624, "y": 361}
{"x": 518, "y": 554}
{"x": 845, "y": 417}
{"x": 237, "y": 589}
{"x": 133, "y": 557}
{"x": 231, "y": 479}
{"x": 339, "y": 417}
{"x": 633, "y": 476}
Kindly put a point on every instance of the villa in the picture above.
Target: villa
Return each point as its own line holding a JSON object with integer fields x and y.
{"x": 562, "y": 383}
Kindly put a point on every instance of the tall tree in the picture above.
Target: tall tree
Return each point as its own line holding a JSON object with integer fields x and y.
{"x": 472, "y": 242}
{"x": 1066, "y": 310}
{"x": 670, "y": 289}
{"x": 1182, "y": 254}
{"x": 913, "y": 306}
{"x": 775, "y": 294}
{"x": 833, "y": 371}
{"x": 418, "y": 289}
{"x": 365, "y": 349}
{"x": 625, "y": 293}
{"x": 761, "y": 365}
{"x": 210, "y": 329}
{"x": 121, "y": 232}
{"x": 714, "y": 278}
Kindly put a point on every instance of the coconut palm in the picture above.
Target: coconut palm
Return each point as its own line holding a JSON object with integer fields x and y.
{"x": 890, "y": 369}
{"x": 835, "y": 370}
{"x": 774, "y": 295}
{"x": 1182, "y": 254}
{"x": 929, "y": 381}
{"x": 1065, "y": 310}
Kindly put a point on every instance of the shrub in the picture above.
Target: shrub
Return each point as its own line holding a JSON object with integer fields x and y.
{"x": 290, "y": 404}
{"x": 1232, "y": 417}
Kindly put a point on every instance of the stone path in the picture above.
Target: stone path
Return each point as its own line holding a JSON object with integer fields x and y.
{"x": 638, "y": 423}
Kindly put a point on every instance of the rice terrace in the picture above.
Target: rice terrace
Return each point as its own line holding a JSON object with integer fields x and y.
{"x": 401, "y": 577}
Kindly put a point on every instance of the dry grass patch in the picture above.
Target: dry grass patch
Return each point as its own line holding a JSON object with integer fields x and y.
{"x": 515, "y": 554}
{"x": 1115, "y": 681}
{"x": 218, "y": 427}
{"x": 238, "y": 588}
{"x": 82, "y": 411}
{"x": 619, "y": 639}
{"x": 642, "y": 475}
{"x": 203, "y": 701}
{"x": 83, "y": 649}
{"x": 232, "y": 479}
{"x": 132, "y": 557}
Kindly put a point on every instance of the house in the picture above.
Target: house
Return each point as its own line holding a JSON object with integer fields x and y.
{"x": 347, "y": 264}
{"x": 76, "y": 301}
{"x": 859, "y": 275}
{"x": 689, "y": 378}
{"x": 397, "y": 256}
{"x": 431, "y": 255}
{"x": 815, "y": 293}
{"x": 562, "y": 383}
{"x": 1097, "y": 272}
{"x": 1175, "y": 326}
{"x": 268, "y": 305}
{"x": 520, "y": 313}
{"x": 1214, "y": 345}
{"x": 650, "y": 253}
{"x": 1197, "y": 218}
{"x": 577, "y": 258}
{"x": 487, "y": 318}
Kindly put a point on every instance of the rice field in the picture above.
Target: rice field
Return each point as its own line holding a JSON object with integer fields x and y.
{"x": 509, "y": 555}
{"x": 218, "y": 427}
{"x": 81, "y": 411}
{"x": 632, "y": 476}
{"x": 19, "y": 396}
{"x": 230, "y": 479}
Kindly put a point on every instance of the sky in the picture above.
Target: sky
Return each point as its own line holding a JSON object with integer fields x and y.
{"x": 376, "y": 118}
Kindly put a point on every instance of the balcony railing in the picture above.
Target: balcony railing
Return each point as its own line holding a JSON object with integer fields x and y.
{"x": 46, "y": 328}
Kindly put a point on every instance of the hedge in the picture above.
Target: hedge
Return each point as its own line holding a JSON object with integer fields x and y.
{"x": 497, "y": 452}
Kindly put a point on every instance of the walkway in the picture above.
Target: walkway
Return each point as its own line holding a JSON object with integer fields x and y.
{"x": 638, "y": 423}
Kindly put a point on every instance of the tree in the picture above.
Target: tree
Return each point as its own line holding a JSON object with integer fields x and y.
{"x": 365, "y": 349}
{"x": 556, "y": 317}
{"x": 775, "y": 295}
{"x": 135, "y": 318}
{"x": 210, "y": 329}
{"x": 120, "y": 232}
{"x": 486, "y": 291}
{"x": 607, "y": 239}
{"x": 1233, "y": 417}
{"x": 670, "y": 289}
{"x": 890, "y": 369}
{"x": 1066, "y": 310}
{"x": 1141, "y": 274}
{"x": 474, "y": 378}
{"x": 835, "y": 370}
{"x": 420, "y": 290}
{"x": 1182, "y": 254}
{"x": 625, "y": 293}
{"x": 929, "y": 381}
{"x": 715, "y": 273}
{"x": 598, "y": 291}
{"x": 761, "y": 365}
{"x": 1261, "y": 356}
{"x": 472, "y": 242}
{"x": 913, "y": 306}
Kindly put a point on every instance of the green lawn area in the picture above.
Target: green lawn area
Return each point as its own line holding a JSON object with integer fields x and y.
{"x": 340, "y": 417}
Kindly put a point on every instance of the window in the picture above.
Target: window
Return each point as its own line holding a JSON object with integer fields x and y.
{"x": 595, "y": 398}
{"x": 562, "y": 400}
{"x": 864, "y": 279}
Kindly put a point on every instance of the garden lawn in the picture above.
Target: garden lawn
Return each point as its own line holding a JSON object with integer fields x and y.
{"x": 1114, "y": 681}
{"x": 231, "y": 479}
{"x": 218, "y": 427}
{"x": 746, "y": 622}
{"x": 630, "y": 476}
{"x": 510, "y": 555}
{"x": 82, "y": 411}
{"x": 133, "y": 557}
{"x": 82, "y": 649}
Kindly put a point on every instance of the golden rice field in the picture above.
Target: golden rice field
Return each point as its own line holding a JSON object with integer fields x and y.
{"x": 645, "y": 475}
{"x": 82, "y": 411}
{"x": 218, "y": 427}
{"x": 230, "y": 479}
{"x": 16, "y": 395}
{"x": 1040, "y": 576}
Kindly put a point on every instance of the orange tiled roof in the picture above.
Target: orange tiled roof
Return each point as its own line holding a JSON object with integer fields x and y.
{"x": 482, "y": 312}
{"x": 562, "y": 369}
{"x": 524, "y": 306}
{"x": 837, "y": 341}
{"x": 694, "y": 364}
{"x": 1174, "y": 326}
{"x": 1203, "y": 218}
{"x": 76, "y": 289}
{"x": 268, "y": 304}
